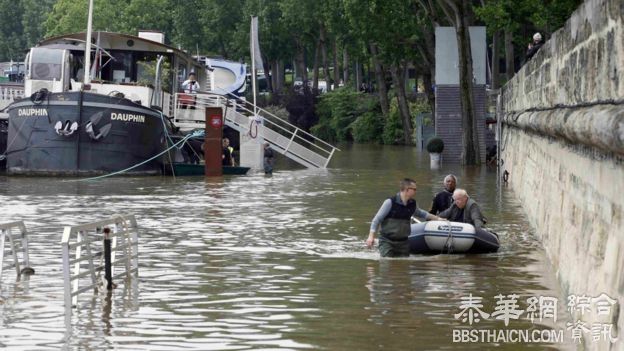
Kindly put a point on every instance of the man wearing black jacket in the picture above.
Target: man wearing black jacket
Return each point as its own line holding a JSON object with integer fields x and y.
{"x": 534, "y": 46}
{"x": 464, "y": 209}
{"x": 444, "y": 198}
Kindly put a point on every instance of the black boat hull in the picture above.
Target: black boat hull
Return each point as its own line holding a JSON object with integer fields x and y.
{"x": 4, "y": 127}
{"x": 188, "y": 169}
{"x": 435, "y": 238}
{"x": 129, "y": 134}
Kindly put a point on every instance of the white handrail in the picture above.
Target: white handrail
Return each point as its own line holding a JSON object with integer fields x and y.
{"x": 234, "y": 97}
{"x": 288, "y": 124}
{"x": 287, "y": 138}
{"x": 6, "y": 230}
{"x": 79, "y": 237}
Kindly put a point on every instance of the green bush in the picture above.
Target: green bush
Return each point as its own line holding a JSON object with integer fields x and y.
{"x": 435, "y": 145}
{"x": 338, "y": 112}
{"x": 345, "y": 115}
{"x": 368, "y": 127}
{"x": 393, "y": 127}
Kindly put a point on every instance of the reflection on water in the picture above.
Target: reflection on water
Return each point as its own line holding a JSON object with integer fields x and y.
{"x": 256, "y": 262}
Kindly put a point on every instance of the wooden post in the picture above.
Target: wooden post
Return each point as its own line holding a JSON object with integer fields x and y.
{"x": 212, "y": 141}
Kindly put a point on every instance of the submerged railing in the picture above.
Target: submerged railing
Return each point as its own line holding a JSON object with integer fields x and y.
{"x": 85, "y": 255}
{"x": 17, "y": 236}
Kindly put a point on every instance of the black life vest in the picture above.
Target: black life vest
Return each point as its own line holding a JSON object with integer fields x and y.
{"x": 396, "y": 225}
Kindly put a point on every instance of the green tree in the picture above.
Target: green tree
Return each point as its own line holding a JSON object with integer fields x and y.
{"x": 12, "y": 40}
{"x": 70, "y": 16}
{"x": 148, "y": 15}
{"x": 35, "y": 11}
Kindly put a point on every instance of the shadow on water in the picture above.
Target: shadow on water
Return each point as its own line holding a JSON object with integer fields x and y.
{"x": 255, "y": 262}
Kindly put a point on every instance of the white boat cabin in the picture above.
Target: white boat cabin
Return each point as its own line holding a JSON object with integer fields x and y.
{"x": 121, "y": 63}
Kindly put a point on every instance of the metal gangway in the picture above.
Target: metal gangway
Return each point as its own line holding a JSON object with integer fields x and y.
{"x": 284, "y": 137}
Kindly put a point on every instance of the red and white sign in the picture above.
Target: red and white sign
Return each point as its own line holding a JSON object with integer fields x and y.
{"x": 215, "y": 121}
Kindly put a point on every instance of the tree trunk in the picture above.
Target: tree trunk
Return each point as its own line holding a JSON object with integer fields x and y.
{"x": 459, "y": 12}
{"x": 381, "y": 81}
{"x": 471, "y": 155}
{"x": 266, "y": 66}
{"x": 509, "y": 55}
{"x": 300, "y": 66}
{"x": 281, "y": 78}
{"x": 345, "y": 67}
{"x": 428, "y": 83}
{"x": 398, "y": 78}
{"x": 274, "y": 76}
{"x": 358, "y": 75}
{"x": 495, "y": 60}
{"x": 315, "y": 69}
{"x": 336, "y": 68}
{"x": 427, "y": 53}
{"x": 324, "y": 57}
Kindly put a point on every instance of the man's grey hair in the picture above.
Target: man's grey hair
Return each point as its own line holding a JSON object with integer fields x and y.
{"x": 450, "y": 176}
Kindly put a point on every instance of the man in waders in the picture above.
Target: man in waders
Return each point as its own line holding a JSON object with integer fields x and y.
{"x": 394, "y": 216}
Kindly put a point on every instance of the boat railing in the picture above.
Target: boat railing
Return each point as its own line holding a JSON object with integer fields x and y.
{"x": 84, "y": 247}
{"x": 239, "y": 114}
{"x": 17, "y": 236}
{"x": 8, "y": 94}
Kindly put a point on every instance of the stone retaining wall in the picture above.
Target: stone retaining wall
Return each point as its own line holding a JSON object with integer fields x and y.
{"x": 563, "y": 146}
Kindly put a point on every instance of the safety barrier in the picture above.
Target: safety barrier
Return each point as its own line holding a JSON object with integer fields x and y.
{"x": 120, "y": 247}
{"x": 7, "y": 231}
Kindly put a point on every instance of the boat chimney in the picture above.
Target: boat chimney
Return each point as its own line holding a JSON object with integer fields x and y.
{"x": 152, "y": 35}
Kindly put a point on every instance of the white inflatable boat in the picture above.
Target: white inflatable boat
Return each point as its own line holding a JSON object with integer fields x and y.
{"x": 435, "y": 237}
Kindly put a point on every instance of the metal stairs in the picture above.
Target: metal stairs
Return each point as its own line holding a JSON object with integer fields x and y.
{"x": 284, "y": 137}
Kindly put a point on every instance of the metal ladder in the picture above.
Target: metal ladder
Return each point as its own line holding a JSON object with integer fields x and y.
{"x": 284, "y": 137}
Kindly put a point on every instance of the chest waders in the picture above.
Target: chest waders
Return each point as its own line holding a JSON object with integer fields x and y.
{"x": 395, "y": 229}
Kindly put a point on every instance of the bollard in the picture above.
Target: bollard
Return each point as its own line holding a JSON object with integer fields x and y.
{"x": 108, "y": 269}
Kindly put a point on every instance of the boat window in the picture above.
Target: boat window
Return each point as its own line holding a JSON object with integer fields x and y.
{"x": 146, "y": 70}
{"x": 77, "y": 66}
{"x": 121, "y": 70}
{"x": 46, "y": 64}
{"x": 181, "y": 74}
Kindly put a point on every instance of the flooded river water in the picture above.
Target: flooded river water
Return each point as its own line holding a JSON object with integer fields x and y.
{"x": 272, "y": 263}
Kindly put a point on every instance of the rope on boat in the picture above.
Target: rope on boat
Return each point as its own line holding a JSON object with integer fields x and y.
{"x": 448, "y": 245}
{"x": 4, "y": 155}
{"x": 181, "y": 141}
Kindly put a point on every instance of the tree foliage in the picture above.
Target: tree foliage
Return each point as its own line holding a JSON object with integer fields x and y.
{"x": 364, "y": 41}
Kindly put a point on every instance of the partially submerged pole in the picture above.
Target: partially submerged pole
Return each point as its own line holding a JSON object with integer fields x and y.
{"x": 108, "y": 269}
{"x": 213, "y": 151}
